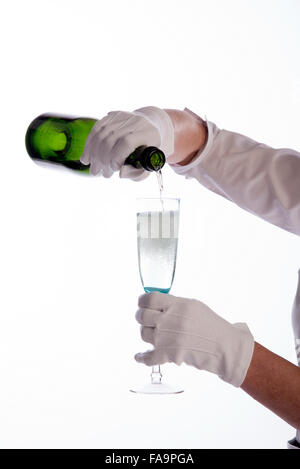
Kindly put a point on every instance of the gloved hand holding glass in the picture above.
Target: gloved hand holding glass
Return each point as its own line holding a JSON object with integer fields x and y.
{"x": 187, "y": 331}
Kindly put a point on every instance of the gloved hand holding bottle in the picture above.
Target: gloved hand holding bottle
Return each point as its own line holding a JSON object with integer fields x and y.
{"x": 119, "y": 133}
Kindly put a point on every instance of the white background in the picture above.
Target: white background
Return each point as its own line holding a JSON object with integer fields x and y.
{"x": 69, "y": 277}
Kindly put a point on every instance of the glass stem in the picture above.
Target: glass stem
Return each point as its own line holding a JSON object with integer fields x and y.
{"x": 156, "y": 375}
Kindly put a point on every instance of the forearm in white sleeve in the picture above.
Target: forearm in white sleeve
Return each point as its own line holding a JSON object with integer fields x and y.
{"x": 260, "y": 179}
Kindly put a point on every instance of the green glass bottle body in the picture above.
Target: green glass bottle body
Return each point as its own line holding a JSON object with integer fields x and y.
{"x": 60, "y": 139}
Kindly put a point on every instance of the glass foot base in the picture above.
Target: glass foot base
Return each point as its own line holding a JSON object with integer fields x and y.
{"x": 157, "y": 388}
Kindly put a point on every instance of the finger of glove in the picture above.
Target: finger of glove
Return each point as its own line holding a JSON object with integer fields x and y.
{"x": 155, "y": 300}
{"x": 102, "y": 130}
{"x": 115, "y": 126}
{"x": 128, "y": 140}
{"x": 107, "y": 173}
{"x": 100, "y": 158}
{"x": 120, "y": 117}
{"x": 151, "y": 358}
{"x": 147, "y": 317}
{"x": 85, "y": 157}
{"x": 148, "y": 334}
{"x": 131, "y": 140}
{"x": 129, "y": 172}
{"x": 98, "y": 126}
{"x": 121, "y": 124}
{"x": 91, "y": 152}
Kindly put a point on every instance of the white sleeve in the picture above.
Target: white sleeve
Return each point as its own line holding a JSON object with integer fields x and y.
{"x": 262, "y": 180}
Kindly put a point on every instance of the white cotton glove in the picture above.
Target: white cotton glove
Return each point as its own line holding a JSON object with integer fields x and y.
{"x": 187, "y": 331}
{"x": 116, "y": 136}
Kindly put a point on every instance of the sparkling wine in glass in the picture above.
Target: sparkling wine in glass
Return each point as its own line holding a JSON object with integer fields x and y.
{"x": 157, "y": 239}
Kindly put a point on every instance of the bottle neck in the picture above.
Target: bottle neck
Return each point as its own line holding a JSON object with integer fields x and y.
{"x": 148, "y": 158}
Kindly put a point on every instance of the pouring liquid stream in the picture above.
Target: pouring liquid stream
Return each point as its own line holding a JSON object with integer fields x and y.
{"x": 161, "y": 187}
{"x": 156, "y": 375}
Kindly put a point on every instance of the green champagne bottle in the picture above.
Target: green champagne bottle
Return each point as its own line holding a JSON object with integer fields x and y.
{"x": 60, "y": 139}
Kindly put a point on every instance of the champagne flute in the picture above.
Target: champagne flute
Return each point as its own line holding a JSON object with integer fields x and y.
{"x": 157, "y": 239}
